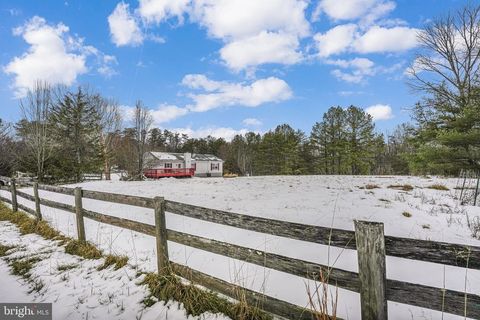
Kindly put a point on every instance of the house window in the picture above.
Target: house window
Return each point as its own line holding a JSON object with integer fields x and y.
{"x": 214, "y": 166}
{"x": 168, "y": 165}
{"x": 179, "y": 165}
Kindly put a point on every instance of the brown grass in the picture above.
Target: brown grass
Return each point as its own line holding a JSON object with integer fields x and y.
{"x": 403, "y": 187}
{"x": 438, "y": 186}
{"x": 117, "y": 261}
{"x": 83, "y": 249}
{"x": 319, "y": 298}
{"x": 406, "y": 214}
{"x": 197, "y": 301}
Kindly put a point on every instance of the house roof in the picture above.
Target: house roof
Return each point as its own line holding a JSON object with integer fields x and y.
{"x": 165, "y": 156}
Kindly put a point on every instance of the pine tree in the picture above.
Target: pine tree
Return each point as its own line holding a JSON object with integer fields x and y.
{"x": 76, "y": 129}
{"x": 361, "y": 141}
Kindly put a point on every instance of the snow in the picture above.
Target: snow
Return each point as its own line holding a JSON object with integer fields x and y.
{"x": 317, "y": 200}
{"x": 81, "y": 292}
{"x": 17, "y": 292}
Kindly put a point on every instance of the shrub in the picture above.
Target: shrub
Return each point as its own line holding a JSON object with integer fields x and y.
{"x": 407, "y": 214}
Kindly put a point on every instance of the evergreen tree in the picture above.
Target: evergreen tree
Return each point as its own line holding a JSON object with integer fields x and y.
{"x": 360, "y": 140}
{"x": 76, "y": 130}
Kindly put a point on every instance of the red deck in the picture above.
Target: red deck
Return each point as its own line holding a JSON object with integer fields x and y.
{"x": 162, "y": 173}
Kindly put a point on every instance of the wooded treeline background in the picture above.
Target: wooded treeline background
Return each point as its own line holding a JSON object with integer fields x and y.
{"x": 66, "y": 133}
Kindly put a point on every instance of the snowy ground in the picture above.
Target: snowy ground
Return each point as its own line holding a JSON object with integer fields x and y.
{"x": 317, "y": 200}
{"x": 81, "y": 292}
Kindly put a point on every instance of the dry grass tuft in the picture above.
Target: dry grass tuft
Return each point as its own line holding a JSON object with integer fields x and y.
{"x": 319, "y": 298}
{"x": 406, "y": 214}
{"x": 4, "y": 249}
{"x": 22, "y": 267}
{"x": 195, "y": 300}
{"x": 65, "y": 267}
{"x": 438, "y": 186}
{"x": 83, "y": 249}
{"x": 118, "y": 261}
{"x": 403, "y": 187}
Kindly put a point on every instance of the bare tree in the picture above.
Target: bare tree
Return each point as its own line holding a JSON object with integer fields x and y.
{"x": 143, "y": 120}
{"x": 36, "y": 107}
{"x": 110, "y": 124}
{"x": 447, "y": 64}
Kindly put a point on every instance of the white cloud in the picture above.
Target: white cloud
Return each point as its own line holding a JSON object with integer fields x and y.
{"x": 156, "y": 11}
{"x": 252, "y": 122}
{"x": 254, "y": 32}
{"x": 236, "y": 19}
{"x": 378, "y": 40}
{"x": 380, "y": 112}
{"x": 219, "y": 94}
{"x": 353, "y": 9}
{"x": 266, "y": 47}
{"x": 348, "y": 38}
{"x": 360, "y": 68}
{"x": 51, "y": 57}
{"x": 124, "y": 28}
{"x": 165, "y": 113}
{"x": 335, "y": 40}
{"x": 217, "y": 132}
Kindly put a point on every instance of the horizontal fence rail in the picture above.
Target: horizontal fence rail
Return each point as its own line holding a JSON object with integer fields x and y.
{"x": 450, "y": 301}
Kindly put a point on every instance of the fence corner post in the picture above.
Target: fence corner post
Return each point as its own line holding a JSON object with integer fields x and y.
{"x": 161, "y": 235}
{"x": 79, "y": 213}
{"x": 37, "y": 201}
{"x": 370, "y": 241}
{"x": 13, "y": 191}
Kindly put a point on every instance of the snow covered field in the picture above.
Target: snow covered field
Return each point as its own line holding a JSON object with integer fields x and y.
{"x": 317, "y": 200}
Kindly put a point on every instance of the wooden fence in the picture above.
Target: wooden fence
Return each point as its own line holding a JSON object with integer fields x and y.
{"x": 368, "y": 239}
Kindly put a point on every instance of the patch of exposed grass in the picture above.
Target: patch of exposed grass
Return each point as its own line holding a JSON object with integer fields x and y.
{"x": 65, "y": 267}
{"x": 384, "y": 200}
{"x": 425, "y": 226}
{"x": 28, "y": 225}
{"x": 4, "y": 249}
{"x": 438, "y": 186}
{"x": 403, "y": 187}
{"x": 83, "y": 249}
{"x": 195, "y": 300}
{"x": 117, "y": 261}
{"x": 406, "y": 214}
{"x": 22, "y": 267}
{"x": 372, "y": 186}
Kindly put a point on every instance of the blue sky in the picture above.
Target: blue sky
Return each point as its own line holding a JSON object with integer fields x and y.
{"x": 220, "y": 66}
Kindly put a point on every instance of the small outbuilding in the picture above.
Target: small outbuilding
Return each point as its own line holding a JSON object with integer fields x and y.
{"x": 169, "y": 164}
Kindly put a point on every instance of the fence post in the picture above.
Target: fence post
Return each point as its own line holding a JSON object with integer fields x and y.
{"x": 371, "y": 269}
{"x": 79, "y": 214}
{"x": 13, "y": 191}
{"x": 37, "y": 201}
{"x": 161, "y": 234}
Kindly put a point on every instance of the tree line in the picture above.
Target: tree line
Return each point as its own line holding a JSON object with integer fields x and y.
{"x": 64, "y": 134}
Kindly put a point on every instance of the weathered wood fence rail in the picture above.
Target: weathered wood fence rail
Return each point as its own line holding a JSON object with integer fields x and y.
{"x": 368, "y": 239}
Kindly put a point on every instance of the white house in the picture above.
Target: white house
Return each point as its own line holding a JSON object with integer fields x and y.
{"x": 169, "y": 164}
